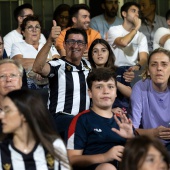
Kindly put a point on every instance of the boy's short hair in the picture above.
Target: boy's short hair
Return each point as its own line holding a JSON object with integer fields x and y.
{"x": 100, "y": 74}
{"x": 19, "y": 10}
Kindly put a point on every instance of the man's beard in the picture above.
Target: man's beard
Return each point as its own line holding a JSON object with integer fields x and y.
{"x": 111, "y": 14}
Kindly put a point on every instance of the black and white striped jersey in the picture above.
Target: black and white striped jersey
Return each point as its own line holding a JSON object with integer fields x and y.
{"x": 38, "y": 159}
{"x": 68, "y": 88}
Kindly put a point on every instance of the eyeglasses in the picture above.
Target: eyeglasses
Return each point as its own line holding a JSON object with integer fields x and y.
{"x": 72, "y": 42}
{"x": 63, "y": 17}
{"x": 112, "y": 2}
{"x": 31, "y": 28}
{"x": 11, "y": 76}
{"x": 1, "y": 44}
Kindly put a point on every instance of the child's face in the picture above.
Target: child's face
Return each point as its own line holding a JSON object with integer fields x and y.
{"x": 103, "y": 94}
{"x": 154, "y": 160}
{"x": 100, "y": 55}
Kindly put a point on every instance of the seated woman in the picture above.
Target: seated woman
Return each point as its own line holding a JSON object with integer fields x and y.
{"x": 61, "y": 15}
{"x": 26, "y": 51}
{"x": 29, "y": 141}
{"x": 144, "y": 153}
{"x": 150, "y": 98}
{"x": 101, "y": 55}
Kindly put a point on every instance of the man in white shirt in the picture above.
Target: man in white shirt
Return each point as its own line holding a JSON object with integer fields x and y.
{"x": 128, "y": 44}
{"x": 162, "y": 35}
{"x": 20, "y": 13}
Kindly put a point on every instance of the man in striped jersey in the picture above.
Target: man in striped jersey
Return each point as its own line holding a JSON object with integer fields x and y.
{"x": 67, "y": 76}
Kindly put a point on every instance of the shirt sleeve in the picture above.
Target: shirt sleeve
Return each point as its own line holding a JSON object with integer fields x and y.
{"x": 136, "y": 105}
{"x": 113, "y": 33}
{"x": 15, "y": 50}
{"x": 157, "y": 36}
{"x": 60, "y": 147}
{"x": 77, "y": 134}
{"x": 7, "y": 44}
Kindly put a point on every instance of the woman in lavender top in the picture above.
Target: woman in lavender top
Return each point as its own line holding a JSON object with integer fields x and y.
{"x": 150, "y": 99}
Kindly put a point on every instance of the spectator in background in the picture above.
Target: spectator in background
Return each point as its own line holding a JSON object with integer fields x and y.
{"x": 150, "y": 98}
{"x": 61, "y": 15}
{"x": 162, "y": 35}
{"x": 26, "y": 51}
{"x": 20, "y": 13}
{"x": 29, "y": 140}
{"x": 109, "y": 18}
{"x": 144, "y": 153}
{"x": 150, "y": 21}
{"x": 79, "y": 18}
{"x": 128, "y": 44}
{"x": 101, "y": 55}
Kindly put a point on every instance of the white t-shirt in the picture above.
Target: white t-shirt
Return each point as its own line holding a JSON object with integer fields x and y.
{"x": 13, "y": 37}
{"x": 160, "y": 32}
{"x": 127, "y": 56}
{"x": 28, "y": 51}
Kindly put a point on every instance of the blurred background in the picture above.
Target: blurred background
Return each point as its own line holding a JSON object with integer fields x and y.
{"x": 45, "y": 8}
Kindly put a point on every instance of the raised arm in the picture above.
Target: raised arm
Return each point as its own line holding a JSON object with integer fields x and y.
{"x": 124, "y": 41}
{"x": 40, "y": 66}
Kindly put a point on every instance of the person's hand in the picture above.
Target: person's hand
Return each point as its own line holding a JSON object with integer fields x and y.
{"x": 55, "y": 31}
{"x": 85, "y": 55}
{"x": 162, "y": 132}
{"x": 115, "y": 153}
{"x": 129, "y": 75}
{"x": 137, "y": 23}
{"x": 125, "y": 126}
{"x": 118, "y": 110}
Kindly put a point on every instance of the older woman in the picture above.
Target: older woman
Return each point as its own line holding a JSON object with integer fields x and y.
{"x": 26, "y": 51}
{"x": 61, "y": 15}
{"x": 150, "y": 98}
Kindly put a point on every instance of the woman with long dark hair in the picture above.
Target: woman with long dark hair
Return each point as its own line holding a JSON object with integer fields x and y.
{"x": 30, "y": 141}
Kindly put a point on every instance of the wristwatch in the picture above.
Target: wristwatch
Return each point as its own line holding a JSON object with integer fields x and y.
{"x": 137, "y": 64}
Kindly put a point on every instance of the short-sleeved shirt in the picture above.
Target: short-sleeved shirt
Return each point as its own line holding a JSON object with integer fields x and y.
{"x": 100, "y": 24}
{"x": 160, "y": 32}
{"x": 127, "y": 56}
{"x": 91, "y": 36}
{"x": 14, "y": 37}
{"x": 92, "y": 133}
{"x": 68, "y": 88}
{"x": 149, "y": 107}
{"x": 28, "y": 51}
{"x": 149, "y": 32}
{"x": 38, "y": 159}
